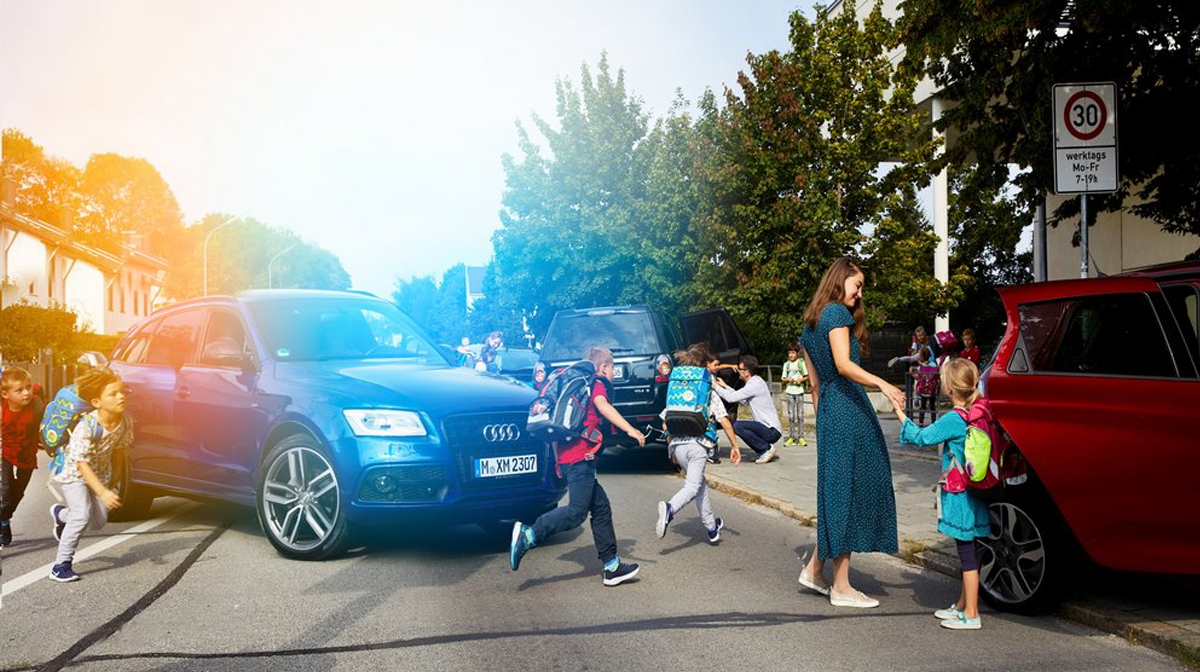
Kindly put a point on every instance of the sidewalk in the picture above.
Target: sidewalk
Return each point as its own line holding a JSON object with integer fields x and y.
{"x": 1160, "y": 612}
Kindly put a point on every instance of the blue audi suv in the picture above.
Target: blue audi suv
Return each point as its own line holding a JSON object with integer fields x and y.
{"x": 324, "y": 411}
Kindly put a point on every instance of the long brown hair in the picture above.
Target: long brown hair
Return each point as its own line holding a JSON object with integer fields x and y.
{"x": 832, "y": 289}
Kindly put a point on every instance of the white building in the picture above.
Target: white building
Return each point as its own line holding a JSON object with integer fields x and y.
{"x": 39, "y": 263}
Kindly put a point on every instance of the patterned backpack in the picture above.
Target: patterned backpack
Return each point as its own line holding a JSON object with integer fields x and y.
{"x": 688, "y": 391}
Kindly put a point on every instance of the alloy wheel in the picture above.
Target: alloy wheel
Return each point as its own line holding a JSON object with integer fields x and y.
{"x": 1012, "y": 559}
{"x": 301, "y": 498}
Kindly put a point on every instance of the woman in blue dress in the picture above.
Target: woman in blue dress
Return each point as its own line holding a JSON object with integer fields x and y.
{"x": 856, "y": 506}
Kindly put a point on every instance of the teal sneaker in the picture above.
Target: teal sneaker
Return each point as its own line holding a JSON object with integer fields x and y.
{"x": 521, "y": 543}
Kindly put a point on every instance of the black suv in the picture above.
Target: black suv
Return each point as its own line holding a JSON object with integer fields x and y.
{"x": 642, "y": 342}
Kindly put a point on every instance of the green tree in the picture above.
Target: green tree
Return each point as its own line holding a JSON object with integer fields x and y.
{"x": 996, "y": 62}
{"x": 126, "y": 194}
{"x": 238, "y": 259}
{"x": 25, "y": 329}
{"x": 820, "y": 142}
{"x": 569, "y": 214}
{"x": 439, "y": 307}
{"x": 46, "y": 187}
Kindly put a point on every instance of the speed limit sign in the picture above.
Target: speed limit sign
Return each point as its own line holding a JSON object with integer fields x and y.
{"x": 1085, "y": 138}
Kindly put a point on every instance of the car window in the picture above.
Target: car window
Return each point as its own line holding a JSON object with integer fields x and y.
{"x": 1114, "y": 334}
{"x": 622, "y": 332}
{"x": 707, "y": 327}
{"x": 1183, "y": 300}
{"x": 515, "y": 359}
{"x": 134, "y": 349}
{"x": 302, "y": 330}
{"x": 174, "y": 344}
{"x": 224, "y": 337}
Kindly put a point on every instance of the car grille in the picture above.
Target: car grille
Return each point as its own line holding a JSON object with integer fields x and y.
{"x": 465, "y": 437}
{"x": 410, "y": 483}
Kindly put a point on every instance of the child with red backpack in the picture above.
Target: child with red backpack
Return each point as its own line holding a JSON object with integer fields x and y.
{"x": 962, "y": 515}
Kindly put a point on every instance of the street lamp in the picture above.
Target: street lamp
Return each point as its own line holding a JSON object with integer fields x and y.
{"x": 270, "y": 278}
{"x": 220, "y": 226}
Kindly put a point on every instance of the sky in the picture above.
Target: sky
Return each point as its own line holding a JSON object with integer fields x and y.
{"x": 372, "y": 129}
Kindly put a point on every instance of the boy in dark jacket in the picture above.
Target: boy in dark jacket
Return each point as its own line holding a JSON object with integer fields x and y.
{"x": 18, "y": 438}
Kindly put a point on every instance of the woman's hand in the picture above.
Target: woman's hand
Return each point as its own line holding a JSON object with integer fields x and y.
{"x": 893, "y": 394}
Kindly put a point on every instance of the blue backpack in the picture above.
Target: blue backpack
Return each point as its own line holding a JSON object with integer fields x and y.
{"x": 60, "y": 418}
{"x": 688, "y": 392}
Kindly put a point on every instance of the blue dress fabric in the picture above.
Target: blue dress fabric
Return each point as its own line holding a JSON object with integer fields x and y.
{"x": 856, "y": 506}
{"x": 963, "y": 517}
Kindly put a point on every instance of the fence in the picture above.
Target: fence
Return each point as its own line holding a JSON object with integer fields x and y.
{"x": 51, "y": 377}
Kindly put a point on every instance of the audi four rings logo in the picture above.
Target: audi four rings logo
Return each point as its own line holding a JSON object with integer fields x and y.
{"x": 497, "y": 433}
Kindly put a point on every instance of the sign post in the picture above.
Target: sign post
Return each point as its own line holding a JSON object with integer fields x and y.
{"x": 1085, "y": 147}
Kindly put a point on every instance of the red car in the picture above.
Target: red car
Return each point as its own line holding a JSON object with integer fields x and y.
{"x": 1096, "y": 382}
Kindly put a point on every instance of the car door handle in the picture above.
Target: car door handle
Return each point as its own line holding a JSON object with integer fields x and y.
{"x": 183, "y": 393}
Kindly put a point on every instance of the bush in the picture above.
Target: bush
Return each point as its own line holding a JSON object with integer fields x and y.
{"x": 25, "y": 329}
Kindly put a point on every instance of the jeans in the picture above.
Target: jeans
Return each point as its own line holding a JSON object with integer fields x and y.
{"x": 757, "y": 436}
{"x": 584, "y": 496}
{"x": 693, "y": 458}
{"x": 84, "y": 510}
{"x": 795, "y": 410}
{"x": 12, "y": 488}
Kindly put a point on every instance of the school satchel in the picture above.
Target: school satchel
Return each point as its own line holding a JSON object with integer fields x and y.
{"x": 60, "y": 419}
{"x": 557, "y": 414}
{"x": 990, "y": 465}
{"x": 688, "y": 391}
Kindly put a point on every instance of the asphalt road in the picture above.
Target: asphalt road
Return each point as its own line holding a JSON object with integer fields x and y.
{"x": 201, "y": 589}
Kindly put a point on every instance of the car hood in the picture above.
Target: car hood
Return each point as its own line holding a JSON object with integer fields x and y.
{"x": 436, "y": 390}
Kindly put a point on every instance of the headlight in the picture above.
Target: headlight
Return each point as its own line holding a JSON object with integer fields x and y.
{"x": 384, "y": 423}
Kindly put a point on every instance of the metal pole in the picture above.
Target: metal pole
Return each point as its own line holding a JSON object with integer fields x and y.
{"x": 270, "y": 264}
{"x": 1039, "y": 243}
{"x": 1083, "y": 236}
{"x": 941, "y": 219}
{"x": 205, "y": 250}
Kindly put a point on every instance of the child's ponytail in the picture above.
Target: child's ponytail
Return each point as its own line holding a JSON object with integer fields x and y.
{"x": 960, "y": 380}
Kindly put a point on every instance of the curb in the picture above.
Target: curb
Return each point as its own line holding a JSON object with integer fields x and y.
{"x": 1161, "y": 637}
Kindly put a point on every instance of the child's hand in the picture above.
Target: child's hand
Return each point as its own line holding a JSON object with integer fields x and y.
{"x": 637, "y": 436}
{"x": 110, "y": 500}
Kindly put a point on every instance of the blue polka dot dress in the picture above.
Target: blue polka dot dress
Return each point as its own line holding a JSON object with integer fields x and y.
{"x": 856, "y": 506}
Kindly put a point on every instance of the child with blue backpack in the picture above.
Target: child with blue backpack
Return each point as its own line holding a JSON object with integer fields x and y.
{"x": 690, "y": 391}
{"x": 961, "y": 515}
{"x": 84, "y": 470}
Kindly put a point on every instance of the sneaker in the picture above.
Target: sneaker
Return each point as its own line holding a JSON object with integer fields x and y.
{"x": 713, "y": 458}
{"x": 665, "y": 515}
{"x": 62, "y": 572}
{"x": 621, "y": 574}
{"x": 767, "y": 456}
{"x": 962, "y": 623}
{"x": 789, "y": 442}
{"x": 892, "y": 362}
{"x": 802, "y": 441}
{"x": 855, "y": 599}
{"x": 519, "y": 546}
{"x": 714, "y": 535}
{"x": 948, "y": 613}
{"x": 5, "y": 534}
{"x": 814, "y": 583}
{"x": 59, "y": 525}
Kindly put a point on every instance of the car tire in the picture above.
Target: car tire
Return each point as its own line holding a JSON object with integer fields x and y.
{"x": 300, "y": 502}
{"x": 1023, "y": 560}
{"x": 135, "y": 499}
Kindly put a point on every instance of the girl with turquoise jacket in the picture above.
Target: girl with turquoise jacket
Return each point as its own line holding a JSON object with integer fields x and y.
{"x": 962, "y": 516}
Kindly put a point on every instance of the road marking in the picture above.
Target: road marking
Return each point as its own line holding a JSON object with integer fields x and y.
{"x": 43, "y": 572}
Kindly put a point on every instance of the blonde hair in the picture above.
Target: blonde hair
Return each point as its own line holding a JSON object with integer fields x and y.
{"x": 959, "y": 379}
{"x": 13, "y": 376}
{"x": 598, "y": 356}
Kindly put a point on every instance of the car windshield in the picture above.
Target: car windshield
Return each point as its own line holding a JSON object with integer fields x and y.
{"x": 622, "y": 332}
{"x": 308, "y": 330}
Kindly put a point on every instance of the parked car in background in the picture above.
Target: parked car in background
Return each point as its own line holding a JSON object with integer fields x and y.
{"x": 643, "y": 343}
{"x": 1096, "y": 382}
{"x": 323, "y": 410}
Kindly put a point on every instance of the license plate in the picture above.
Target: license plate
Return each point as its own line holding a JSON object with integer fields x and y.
{"x": 618, "y": 371}
{"x": 509, "y": 465}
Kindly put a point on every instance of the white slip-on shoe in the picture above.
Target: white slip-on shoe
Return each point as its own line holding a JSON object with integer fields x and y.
{"x": 816, "y": 583}
{"x": 767, "y": 456}
{"x": 948, "y": 613}
{"x": 855, "y": 599}
{"x": 962, "y": 623}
